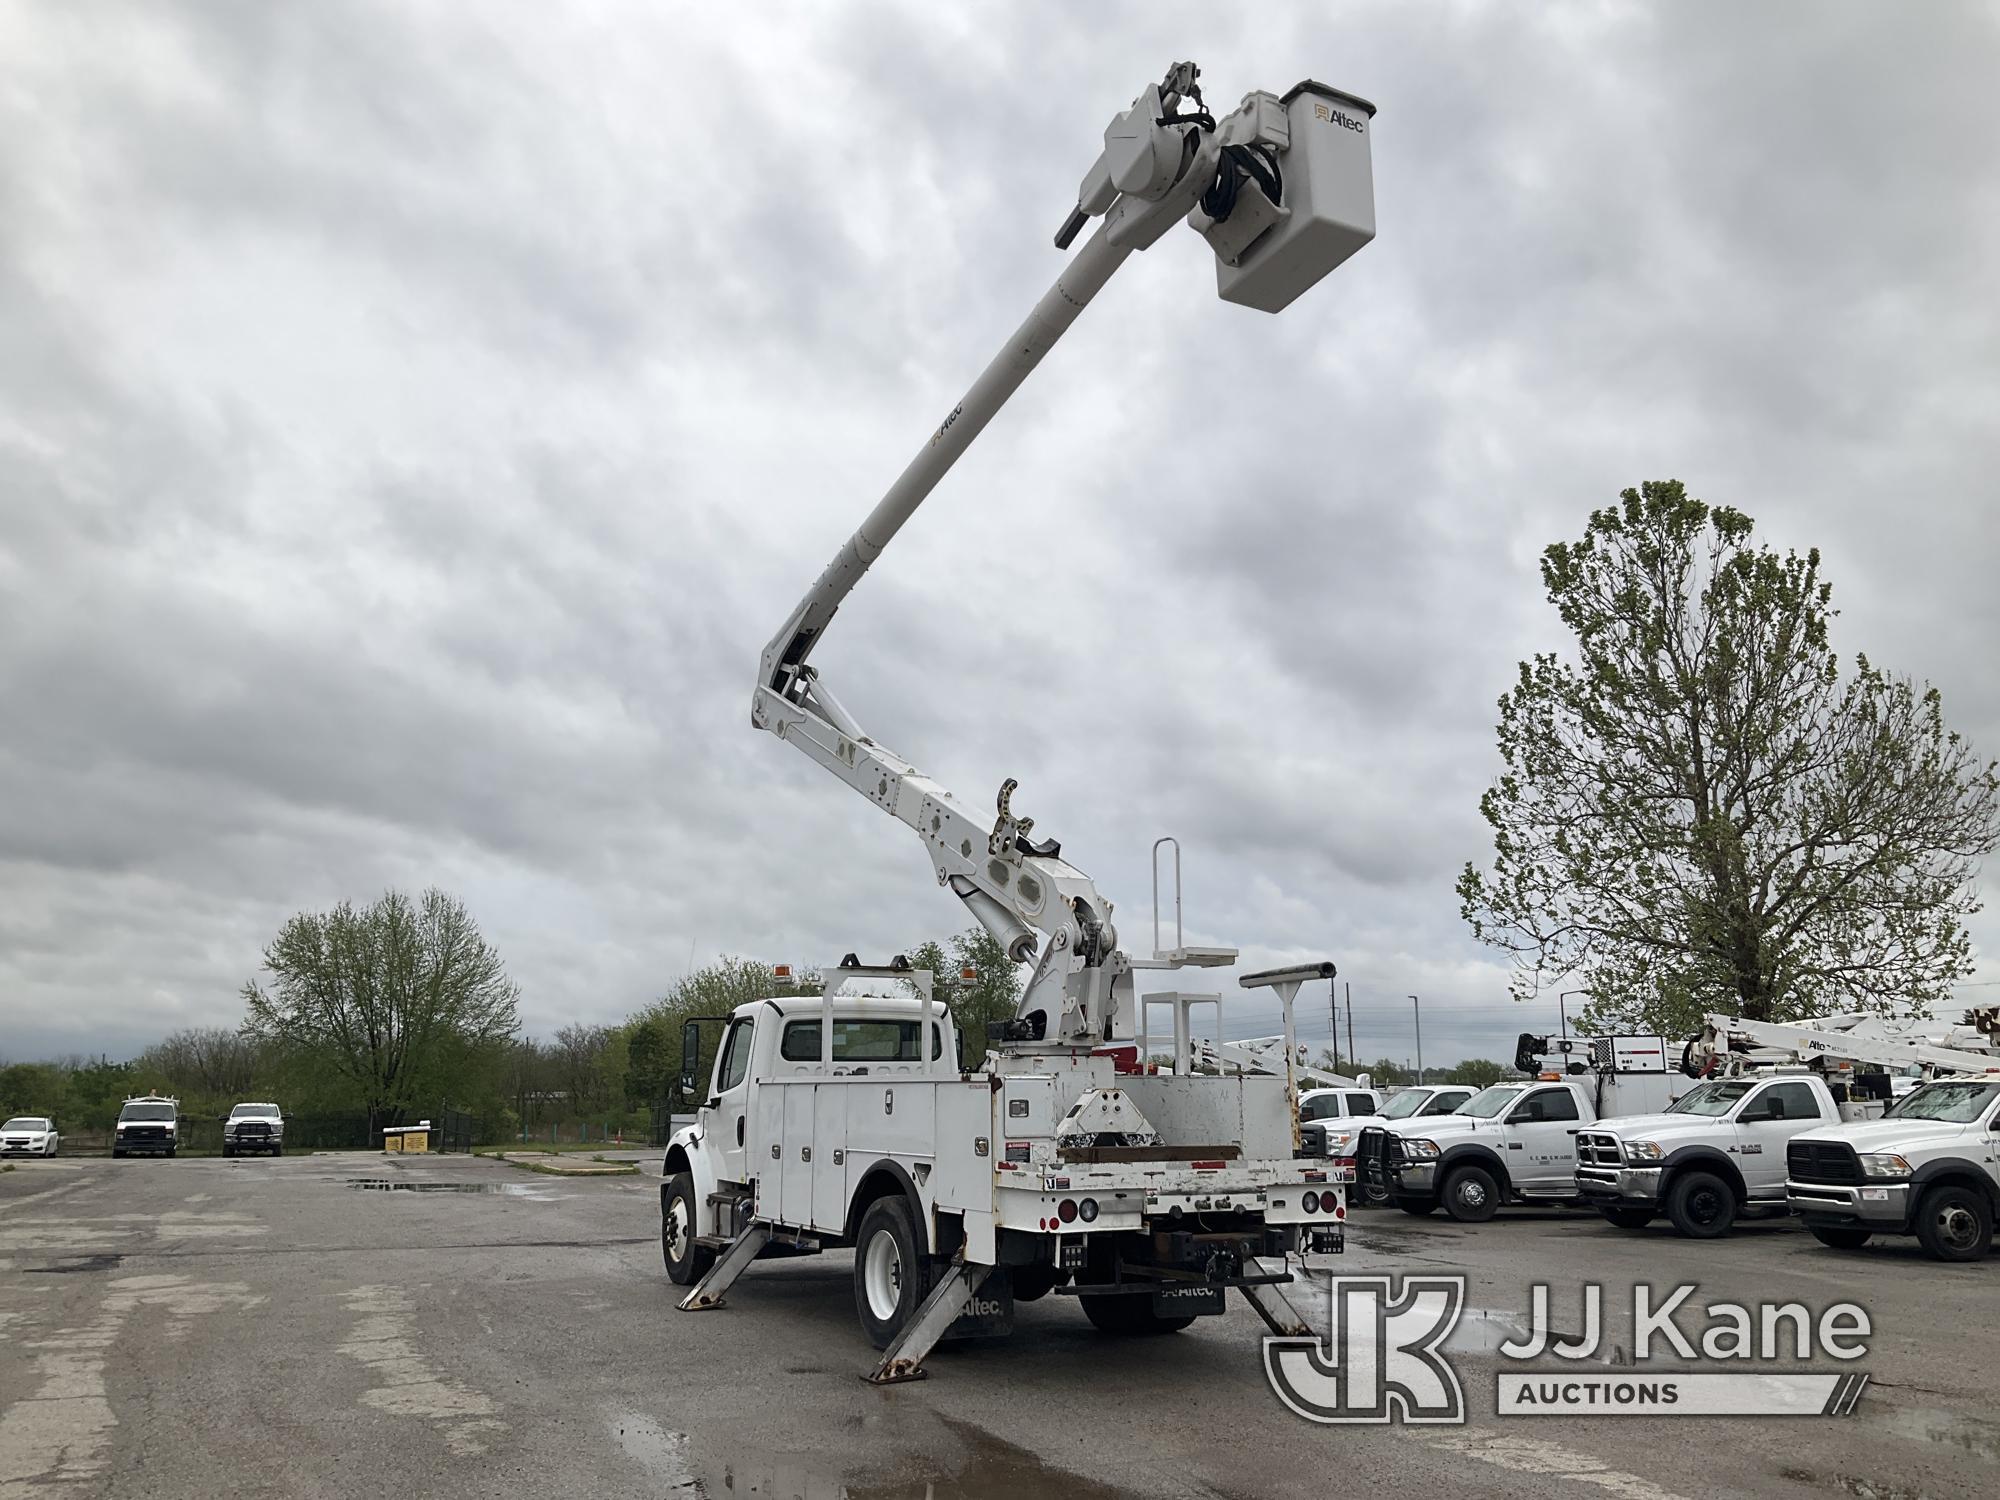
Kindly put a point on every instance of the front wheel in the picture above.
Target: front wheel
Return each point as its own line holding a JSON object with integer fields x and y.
{"x": 228, "y": 1150}
{"x": 1129, "y": 1315}
{"x": 1625, "y": 1217}
{"x": 173, "y": 1151}
{"x": 1701, "y": 1205}
{"x": 1837, "y": 1237}
{"x": 1954, "y": 1223}
{"x": 277, "y": 1150}
{"x": 1471, "y": 1195}
{"x": 892, "y": 1274}
{"x": 686, "y": 1261}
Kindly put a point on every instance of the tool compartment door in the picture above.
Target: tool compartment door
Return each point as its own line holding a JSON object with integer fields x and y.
{"x": 795, "y": 1170}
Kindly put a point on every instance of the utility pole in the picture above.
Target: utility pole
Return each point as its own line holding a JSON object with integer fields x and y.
{"x": 1333, "y": 1016}
{"x": 1352, "y": 1055}
{"x": 1418, "y": 1011}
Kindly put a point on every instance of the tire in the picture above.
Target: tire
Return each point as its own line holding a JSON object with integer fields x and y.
{"x": 116, "y": 1152}
{"x": 1471, "y": 1195}
{"x": 686, "y": 1261}
{"x": 1955, "y": 1223}
{"x": 892, "y": 1272}
{"x": 1129, "y": 1316}
{"x": 1417, "y": 1207}
{"x": 173, "y": 1150}
{"x": 1627, "y": 1217}
{"x": 1838, "y": 1237}
{"x": 1369, "y": 1194}
{"x": 277, "y": 1150}
{"x": 228, "y": 1150}
{"x": 1032, "y": 1283}
{"x": 1701, "y": 1205}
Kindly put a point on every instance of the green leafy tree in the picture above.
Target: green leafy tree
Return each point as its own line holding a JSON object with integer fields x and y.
{"x": 397, "y": 999}
{"x": 713, "y": 990}
{"x": 991, "y": 994}
{"x": 1701, "y": 812}
{"x": 1478, "y": 1072}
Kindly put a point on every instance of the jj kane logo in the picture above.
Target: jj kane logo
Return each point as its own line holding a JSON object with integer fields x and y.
{"x": 1384, "y": 1357}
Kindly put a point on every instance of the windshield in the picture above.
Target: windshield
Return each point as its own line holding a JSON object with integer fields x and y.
{"x": 1712, "y": 1098}
{"x": 1489, "y": 1102}
{"x": 254, "y": 1112}
{"x": 26, "y": 1122}
{"x": 1953, "y": 1103}
{"x": 146, "y": 1112}
{"x": 1320, "y": 1107}
{"x": 1405, "y": 1104}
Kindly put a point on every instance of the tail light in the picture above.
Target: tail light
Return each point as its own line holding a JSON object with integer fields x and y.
{"x": 1066, "y": 1210}
{"x": 1087, "y": 1210}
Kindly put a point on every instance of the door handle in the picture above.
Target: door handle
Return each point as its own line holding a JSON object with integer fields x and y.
{"x": 739, "y": 1130}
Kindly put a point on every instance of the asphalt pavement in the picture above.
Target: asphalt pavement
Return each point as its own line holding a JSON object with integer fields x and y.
{"x": 361, "y": 1324}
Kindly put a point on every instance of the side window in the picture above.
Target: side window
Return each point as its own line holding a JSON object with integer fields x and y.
{"x": 800, "y": 1043}
{"x": 1788, "y": 1101}
{"x": 1360, "y": 1104}
{"x": 1441, "y": 1104}
{"x": 1549, "y": 1104}
{"x": 735, "y": 1063}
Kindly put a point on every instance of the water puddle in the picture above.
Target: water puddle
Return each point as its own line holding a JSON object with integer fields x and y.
{"x": 391, "y": 1185}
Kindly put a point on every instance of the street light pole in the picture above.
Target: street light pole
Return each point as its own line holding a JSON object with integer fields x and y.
{"x": 1418, "y": 1011}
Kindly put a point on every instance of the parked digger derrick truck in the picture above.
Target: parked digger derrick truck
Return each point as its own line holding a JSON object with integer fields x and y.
{"x": 1063, "y": 1162}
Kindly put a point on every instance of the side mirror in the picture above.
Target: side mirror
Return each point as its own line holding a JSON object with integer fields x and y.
{"x": 690, "y": 1058}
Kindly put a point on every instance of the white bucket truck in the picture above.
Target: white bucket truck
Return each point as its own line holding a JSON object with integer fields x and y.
{"x": 1059, "y": 1161}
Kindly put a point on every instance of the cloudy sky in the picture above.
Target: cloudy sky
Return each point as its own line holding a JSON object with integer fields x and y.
{"x": 414, "y": 420}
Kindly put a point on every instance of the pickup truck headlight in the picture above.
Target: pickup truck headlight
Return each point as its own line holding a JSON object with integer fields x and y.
{"x": 1643, "y": 1151}
{"x": 1338, "y": 1142}
{"x": 1884, "y": 1164}
{"x": 1423, "y": 1150}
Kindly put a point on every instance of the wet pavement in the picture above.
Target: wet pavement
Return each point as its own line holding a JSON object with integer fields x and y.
{"x": 442, "y": 1326}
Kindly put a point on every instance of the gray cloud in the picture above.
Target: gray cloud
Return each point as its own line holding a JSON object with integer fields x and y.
{"x": 413, "y": 423}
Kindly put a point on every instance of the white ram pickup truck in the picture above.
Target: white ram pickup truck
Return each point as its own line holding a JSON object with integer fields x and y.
{"x": 1930, "y": 1167}
{"x": 1144, "y": 1194}
{"x": 1717, "y": 1151}
{"x": 1338, "y": 1138}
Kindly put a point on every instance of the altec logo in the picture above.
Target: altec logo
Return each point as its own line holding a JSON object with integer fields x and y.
{"x": 1341, "y": 118}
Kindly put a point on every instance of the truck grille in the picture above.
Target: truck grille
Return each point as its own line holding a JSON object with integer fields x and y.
{"x": 1597, "y": 1151}
{"x": 1822, "y": 1161}
{"x": 146, "y": 1133}
{"x": 253, "y": 1130}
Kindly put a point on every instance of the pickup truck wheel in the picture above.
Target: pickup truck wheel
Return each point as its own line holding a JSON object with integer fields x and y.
{"x": 1838, "y": 1238}
{"x": 686, "y": 1261}
{"x": 117, "y": 1151}
{"x": 1417, "y": 1207}
{"x": 277, "y": 1150}
{"x": 1701, "y": 1205}
{"x": 1129, "y": 1315}
{"x": 228, "y": 1150}
{"x": 892, "y": 1276}
{"x": 1628, "y": 1217}
{"x": 1471, "y": 1195}
{"x": 1954, "y": 1223}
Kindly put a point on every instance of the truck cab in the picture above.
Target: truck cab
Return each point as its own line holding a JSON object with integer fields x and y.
{"x": 1930, "y": 1167}
{"x": 1717, "y": 1151}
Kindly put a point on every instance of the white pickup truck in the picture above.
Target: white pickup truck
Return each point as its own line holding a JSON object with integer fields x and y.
{"x": 1717, "y": 1151}
{"x": 1336, "y": 1138}
{"x": 1513, "y": 1142}
{"x": 1930, "y": 1167}
{"x": 1144, "y": 1194}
